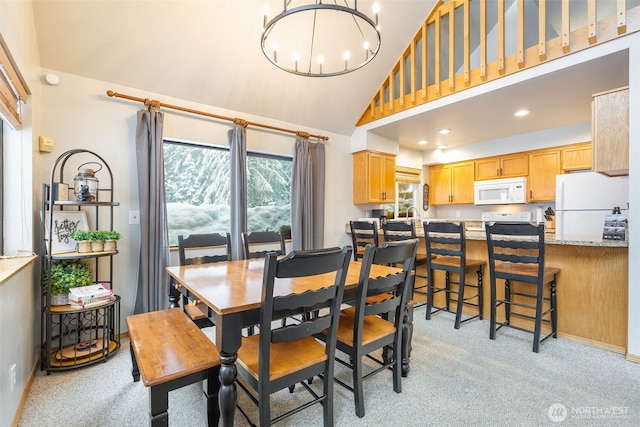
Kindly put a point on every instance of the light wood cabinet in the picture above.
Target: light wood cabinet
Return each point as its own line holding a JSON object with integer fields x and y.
{"x": 610, "y": 132}
{"x": 502, "y": 167}
{"x": 374, "y": 177}
{"x": 544, "y": 165}
{"x": 451, "y": 183}
{"x": 577, "y": 157}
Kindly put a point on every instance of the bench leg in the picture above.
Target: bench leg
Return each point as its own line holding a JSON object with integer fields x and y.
{"x": 159, "y": 401}
{"x": 135, "y": 372}
{"x": 211, "y": 387}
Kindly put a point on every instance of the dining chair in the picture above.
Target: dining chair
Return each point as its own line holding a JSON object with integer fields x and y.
{"x": 201, "y": 249}
{"x": 376, "y": 323}
{"x": 362, "y": 234}
{"x": 446, "y": 251}
{"x": 279, "y": 357}
{"x": 395, "y": 231}
{"x": 267, "y": 241}
{"x": 517, "y": 254}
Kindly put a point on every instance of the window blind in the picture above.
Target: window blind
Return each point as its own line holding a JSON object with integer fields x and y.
{"x": 410, "y": 175}
{"x": 13, "y": 88}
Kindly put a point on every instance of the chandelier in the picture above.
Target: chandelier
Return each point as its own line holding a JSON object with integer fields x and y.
{"x": 320, "y": 39}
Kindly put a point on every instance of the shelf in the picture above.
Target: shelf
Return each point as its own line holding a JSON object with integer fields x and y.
{"x": 64, "y": 309}
{"x": 81, "y": 255}
{"x": 56, "y": 361}
{"x": 75, "y": 203}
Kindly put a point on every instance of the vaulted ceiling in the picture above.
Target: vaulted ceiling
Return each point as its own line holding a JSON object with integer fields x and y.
{"x": 208, "y": 51}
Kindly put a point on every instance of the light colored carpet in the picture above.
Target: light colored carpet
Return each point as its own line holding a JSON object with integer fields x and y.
{"x": 458, "y": 378}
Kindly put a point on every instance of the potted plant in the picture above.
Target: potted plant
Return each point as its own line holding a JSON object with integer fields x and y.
{"x": 111, "y": 239}
{"x": 98, "y": 238}
{"x": 67, "y": 274}
{"x": 83, "y": 239}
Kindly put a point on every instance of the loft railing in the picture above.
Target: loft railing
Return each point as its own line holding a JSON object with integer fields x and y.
{"x": 464, "y": 43}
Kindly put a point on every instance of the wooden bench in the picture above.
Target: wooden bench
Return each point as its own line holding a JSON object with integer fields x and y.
{"x": 170, "y": 351}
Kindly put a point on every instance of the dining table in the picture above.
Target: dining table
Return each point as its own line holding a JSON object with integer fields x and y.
{"x": 233, "y": 292}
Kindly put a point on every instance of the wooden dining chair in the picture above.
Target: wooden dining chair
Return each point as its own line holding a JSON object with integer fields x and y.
{"x": 367, "y": 326}
{"x": 517, "y": 256}
{"x": 267, "y": 241}
{"x": 363, "y": 233}
{"x": 201, "y": 249}
{"x": 279, "y": 357}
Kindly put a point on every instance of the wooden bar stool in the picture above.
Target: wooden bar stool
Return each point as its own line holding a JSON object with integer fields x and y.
{"x": 516, "y": 254}
{"x": 446, "y": 251}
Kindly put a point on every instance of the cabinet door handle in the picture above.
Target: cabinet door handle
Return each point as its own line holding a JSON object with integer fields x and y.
{"x": 500, "y": 171}
{"x": 497, "y": 171}
{"x": 530, "y": 194}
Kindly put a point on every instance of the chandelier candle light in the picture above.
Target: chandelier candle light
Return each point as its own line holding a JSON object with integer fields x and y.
{"x": 318, "y": 39}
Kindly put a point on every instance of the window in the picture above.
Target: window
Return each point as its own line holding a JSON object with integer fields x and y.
{"x": 198, "y": 190}
{"x": 407, "y": 203}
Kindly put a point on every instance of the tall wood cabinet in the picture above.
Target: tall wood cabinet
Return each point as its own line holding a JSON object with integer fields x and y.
{"x": 610, "y": 132}
{"x": 451, "y": 183}
{"x": 374, "y": 177}
{"x": 73, "y": 336}
{"x": 544, "y": 165}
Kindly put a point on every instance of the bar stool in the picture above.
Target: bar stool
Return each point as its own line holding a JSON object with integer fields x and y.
{"x": 446, "y": 251}
{"x": 516, "y": 254}
{"x": 397, "y": 231}
{"x": 363, "y": 233}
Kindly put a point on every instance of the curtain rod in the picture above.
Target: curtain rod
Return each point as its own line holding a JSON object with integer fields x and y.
{"x": 155, "y": 103}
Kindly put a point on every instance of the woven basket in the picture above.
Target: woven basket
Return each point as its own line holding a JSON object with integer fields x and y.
{"x": 84, "y": 246}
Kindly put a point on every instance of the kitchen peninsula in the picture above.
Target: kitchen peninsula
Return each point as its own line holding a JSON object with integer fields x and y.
{"x": 592, "y": 289}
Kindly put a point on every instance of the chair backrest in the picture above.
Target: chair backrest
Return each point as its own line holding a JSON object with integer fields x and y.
{"x": 195, "y": 248}
{"x": 363, "y": 233}
{"x": 516, "y": 251}
{"x": 299, "y": 264}
{"x": 445, "y": 242}
{"x": 396, "y": 231}
{"x": 267, "y": 240}
{"x": 395, "y": 285}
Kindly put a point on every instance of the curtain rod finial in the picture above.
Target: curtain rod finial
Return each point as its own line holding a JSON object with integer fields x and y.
{"x": 111, "y": 93}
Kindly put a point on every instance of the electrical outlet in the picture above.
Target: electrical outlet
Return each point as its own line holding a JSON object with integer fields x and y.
{"x": 12, "y": 376}
{"x": 134, "y": 217}
{"x": 457, "y": 214}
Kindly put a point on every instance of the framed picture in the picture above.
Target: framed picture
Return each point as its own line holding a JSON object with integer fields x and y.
{"x": 64, "y": 224}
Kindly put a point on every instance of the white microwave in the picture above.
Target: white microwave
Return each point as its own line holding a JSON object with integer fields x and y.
{"x": 504, "y": 191}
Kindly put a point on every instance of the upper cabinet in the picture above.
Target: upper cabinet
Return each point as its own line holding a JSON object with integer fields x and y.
{"x": 451, "y": 183}
{"x": 577, "y": 157}
{"x": 510, "y": 166}
{"x": 544, "y": 165}
{"x": 610, "y": 132}
{"x": 374, "y": 176}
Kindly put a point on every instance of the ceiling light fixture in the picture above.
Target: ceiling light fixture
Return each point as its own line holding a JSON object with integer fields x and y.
{"x": 521, "y": 113}
{"x": 444, "y": 131}
{"x": 320, "y": 39}
{"x": 423, "y": 142}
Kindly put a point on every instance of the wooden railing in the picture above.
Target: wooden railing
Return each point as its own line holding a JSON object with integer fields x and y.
{"x": 464, "y": 43}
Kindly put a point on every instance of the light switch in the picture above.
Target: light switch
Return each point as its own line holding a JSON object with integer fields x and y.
{"x": 47, "y": 144}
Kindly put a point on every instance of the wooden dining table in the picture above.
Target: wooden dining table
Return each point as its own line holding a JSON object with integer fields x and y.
{"x": 233, "y": 292}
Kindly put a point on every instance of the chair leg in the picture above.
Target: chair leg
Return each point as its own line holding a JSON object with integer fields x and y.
{"x": 211, "y": 386}
{"x": 407, "y": 336}
{"x": 492, "y": 315}
{"x": 461, "y": 287}
{"x": 397, "y": 371}
{"x": 327, "y": 405}
{"x": 358, "y": 392}
{"x": 429, "y": 294}
{"x": 507, "y": 304}
{"x": 538, "y": 319}
{"x": 480, "y": 292}
{"x": 554, "y": 307}
{"x": 447, "y": 293}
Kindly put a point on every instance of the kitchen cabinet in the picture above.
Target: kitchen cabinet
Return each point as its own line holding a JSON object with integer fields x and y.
{"x": 510, "y": 166}
{"x": 544, "y": 165}
{"x": 374, "y": 177}
{"x": 577, "y": 157}
{"x": 610, "y": 132}
{"x": 451, "y": 183}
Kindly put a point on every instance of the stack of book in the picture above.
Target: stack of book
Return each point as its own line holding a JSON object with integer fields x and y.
{"x": 89, "y": 296}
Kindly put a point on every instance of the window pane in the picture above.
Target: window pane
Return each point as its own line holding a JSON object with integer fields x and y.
{"x": 269, "y": 193}
{"x": 406, "y": 199}
{"x": 197, "y": 187}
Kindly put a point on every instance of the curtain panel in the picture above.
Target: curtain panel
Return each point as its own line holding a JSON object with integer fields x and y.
{"x": 238, "y": 187}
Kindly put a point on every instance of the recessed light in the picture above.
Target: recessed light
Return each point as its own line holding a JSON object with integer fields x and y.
{"x": 444, "y": 131}
{"x": 423, "y": 142}
{"x": 521, "y": 113}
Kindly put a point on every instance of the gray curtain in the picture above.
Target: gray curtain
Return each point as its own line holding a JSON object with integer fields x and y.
{"x": 153, "y": 280}
{"x": 307, "y": 195}
{"x": 238, "y": 177}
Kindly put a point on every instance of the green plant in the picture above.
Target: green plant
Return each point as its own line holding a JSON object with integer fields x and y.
{"x": 81, "y": 235}
{"x": 113, "y": 235}
{"x": 67, "y": 274}
{"x": 99, "y": 235}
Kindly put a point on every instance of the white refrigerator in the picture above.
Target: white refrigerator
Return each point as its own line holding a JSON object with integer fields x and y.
{"x": 584, "y": 199}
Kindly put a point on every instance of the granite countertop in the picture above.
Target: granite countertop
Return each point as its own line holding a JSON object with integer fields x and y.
{"x": 475, "y": 231}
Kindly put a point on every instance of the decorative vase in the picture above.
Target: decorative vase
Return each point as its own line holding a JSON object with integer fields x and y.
{"x": 84, "y": 246}
{"x": 110, "y": 245}
{"x": 59, "y": 299}
{"x": 97, "y": 246}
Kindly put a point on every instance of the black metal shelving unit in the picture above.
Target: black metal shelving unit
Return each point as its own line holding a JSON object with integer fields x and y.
{"x": 72, "y": 337}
